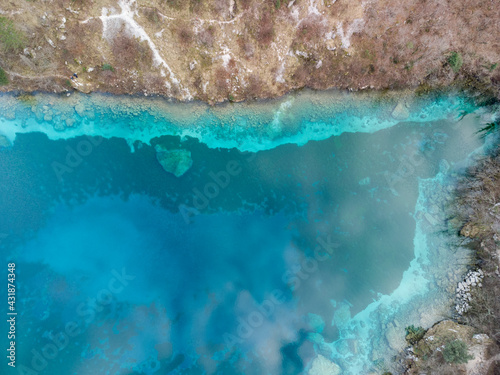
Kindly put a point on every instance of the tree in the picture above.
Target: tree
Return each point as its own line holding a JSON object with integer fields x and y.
{"x": 414, "y": 334}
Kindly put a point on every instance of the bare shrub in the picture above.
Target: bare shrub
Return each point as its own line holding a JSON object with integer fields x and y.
{"x": 478, "y": 192}
{"x": 254, "y": 88}
{"x": 245, "y": 4}
{"x": 246, "y": 47}
{"x": 221, "y": 8}
{"x": 207, "y": 36}
{"x": 311, "y": 30}
{"x": 185, "y": 34}
{"x": 265, "y": 32}
{"x": 77, "y": 36}
{"x": 154, "y": 83}
{"x": 301, "y": 74}
{"x": 151, "y": 14}
{"x": 129, "y": 52}
{"x": 222, "y": 78}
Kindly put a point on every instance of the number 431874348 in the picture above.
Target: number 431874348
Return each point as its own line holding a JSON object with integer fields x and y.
{"x": 11, "y": 286}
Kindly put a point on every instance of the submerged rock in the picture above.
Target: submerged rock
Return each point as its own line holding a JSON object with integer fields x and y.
{"x": 395, "y": 338}
{"x": 401, "y": 111}
{"x": 323, "y": 366}
{"x": 176, "y": 161}
{"x": 4, "y": 142}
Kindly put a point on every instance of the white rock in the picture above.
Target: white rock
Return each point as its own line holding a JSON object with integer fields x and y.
{"x": 323, "y": 366}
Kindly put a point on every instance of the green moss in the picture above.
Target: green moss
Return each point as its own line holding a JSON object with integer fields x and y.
{"x": 4, "y": 80}
{"x": 455, "y": 61}
{"x": 11, "y": 38}
{"x": 456, "y": 352}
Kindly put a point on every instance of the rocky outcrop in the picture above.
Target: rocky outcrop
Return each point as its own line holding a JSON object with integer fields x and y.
{"x": 428, "y": 355}
{"x": 471, "y": 282}
{"x": 470, "y": 230}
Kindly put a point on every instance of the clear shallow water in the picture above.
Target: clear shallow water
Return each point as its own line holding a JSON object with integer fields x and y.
{"x": 225, "y": 269}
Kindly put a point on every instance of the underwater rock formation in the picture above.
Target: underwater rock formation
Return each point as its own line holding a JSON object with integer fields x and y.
{"x": 176, "y": 162}
{"x": 4, "y": 142}
{"x": 323, "y": 366}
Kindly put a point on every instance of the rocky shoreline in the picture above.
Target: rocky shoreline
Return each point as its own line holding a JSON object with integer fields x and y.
{"x": 472, "y": 280}
{"x": 474, "y": 215}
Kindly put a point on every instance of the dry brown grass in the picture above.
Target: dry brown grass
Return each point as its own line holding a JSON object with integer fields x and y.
{"x": 220, "y": 8}
{"x": 246, "y": 47}
{"x": 260, "y": 24}
{"x": 222, "y": 83}
{"x": 131, "y": 53}
{"x": 255, "y": 87}
{"x": 151, "y": 14}
{"x": 185, "y": 33}
{"x": 310, "y": 31}
{"x": 245, "y": 4}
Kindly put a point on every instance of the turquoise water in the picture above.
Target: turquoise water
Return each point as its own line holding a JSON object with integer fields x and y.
{"x": 305, "y": 232}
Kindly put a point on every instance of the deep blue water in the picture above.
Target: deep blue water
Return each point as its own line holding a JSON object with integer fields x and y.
{"x": 224, "y": 269}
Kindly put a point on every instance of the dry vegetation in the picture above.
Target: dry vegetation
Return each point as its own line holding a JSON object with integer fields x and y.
{"x": 478, "y": 208}
{"x": 475, "y": 217}
{"x": 287, "y": 44}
